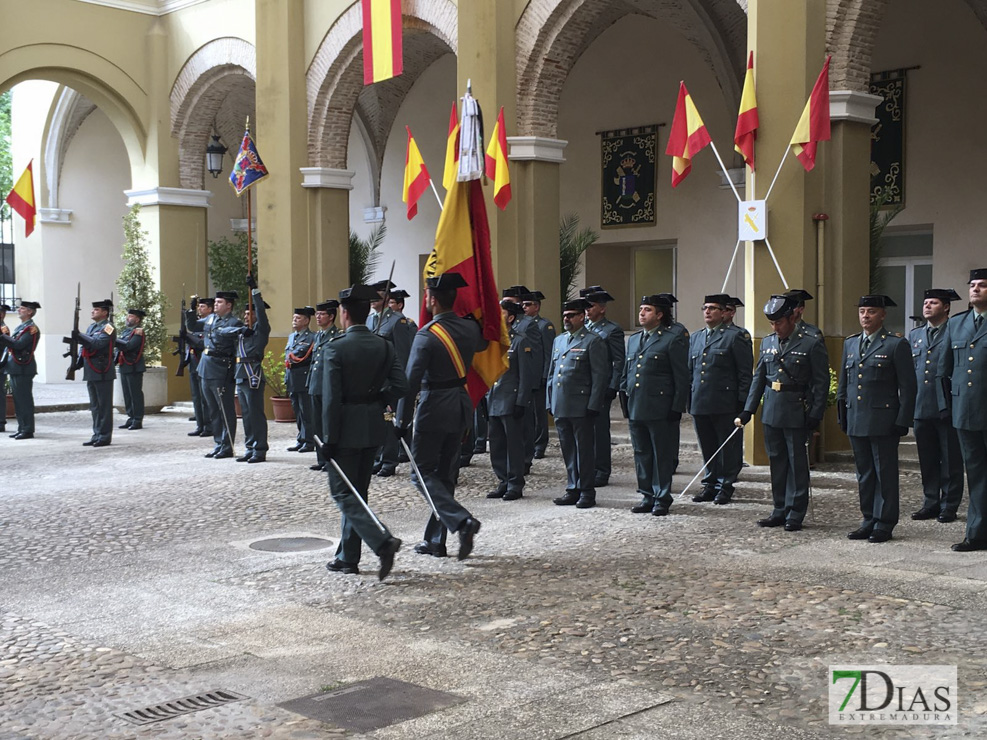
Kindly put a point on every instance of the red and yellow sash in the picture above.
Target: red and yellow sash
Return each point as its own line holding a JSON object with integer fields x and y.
{"x": 443, "y": 336}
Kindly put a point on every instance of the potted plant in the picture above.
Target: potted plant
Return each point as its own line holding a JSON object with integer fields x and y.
{"x": 273, "y": 367}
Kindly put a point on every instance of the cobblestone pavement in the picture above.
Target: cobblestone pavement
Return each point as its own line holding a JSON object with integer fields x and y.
{"x": 128, "y": 581}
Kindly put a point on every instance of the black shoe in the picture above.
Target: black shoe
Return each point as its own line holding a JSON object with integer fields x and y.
{"x": 527, "y": 468}
{"x": 859, "y": 534}
{"x": 340, "y": 566}
{"x": 386, "y": 555}
{"x": 90, "y": 443}
{"x": 430, "y": 548}
{"x": 879, "y": 535}
{"x": 659, "y": 511}
{"x": 601, "y": 483}
{"x": 318, "y": 467}
{"x": 586, "y": 501}
{"x": 480, "y": 450}
{"x": 385, "y": 472}
{"x": 771, "y": 521}
{"x": 204, "y": 433}
{"x": 124, "y": 426}
{"x": 402, "y": 458}
{"x": 569, "y": 499}
{"x": 376, "y": 468}
{"x": 255, "y": 458}
{"x": 192, "y": 418}
{"x": 307, "y": 448}
{"x": 224, "y": 454}
{"x": 211, "y": 454}
{"x": 707, "y": 494}
{"x": 101, "y": 443}
{"x": 946, "y": 517}
{"x": 924, "y": 513}
{"x": 30, "y": 435}
{"x": 497, "y": 494}
{"x": 245, "y": 457}
{"x": 797, "y": 527}
{"x": 135, "y": 427}
{"x": 466, "y": 532}
{"x": 464, "y": 462}
{"x": 512, "y": 496}
{"x": 539, "y": 454}
{"x": 14, "y": 435}
{"x": 968, "y": 546}
{"x": 722, "y": 499}
{"x": 296, "y": 448}
{"x": 644, "y": 507}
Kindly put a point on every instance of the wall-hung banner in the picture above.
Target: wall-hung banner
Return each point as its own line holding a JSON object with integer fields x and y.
{"x": 629, "y": 176}
{"x": 887, "y": 150}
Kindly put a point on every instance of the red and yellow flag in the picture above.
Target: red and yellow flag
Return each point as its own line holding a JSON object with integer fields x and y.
{"x": 416, "y": 177}
{"x": 462, "y": 244}
{"x": 383, "y": 56}
{"x": 21, "y": 198}
{"x": 496, "y": 163}
{"x": 813, "y": 126}
{"x": 452, "y": 150}
{"x": 746, "y": 133}
{"x": 687, "y": 138}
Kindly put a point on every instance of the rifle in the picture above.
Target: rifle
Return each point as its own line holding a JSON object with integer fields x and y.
{"x": 384, "y": 307}
{"x": 73, "y": 341}
{"x": 182, "y": 341}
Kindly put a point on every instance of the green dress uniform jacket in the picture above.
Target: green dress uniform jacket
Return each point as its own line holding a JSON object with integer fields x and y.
{"x": 130, "y": 361}
{"x": 216, "y": 370}
{"x": 507, "y": 403}
{"x": 316, "y": 380}
{"x": 99, "y": 372}
{"x": 530, "y": 327}
{"x": 249, "y": 377}
{"x": 298, "y": 361}
{"x": 20, "y": 365}
{"x": 613, "y": 336}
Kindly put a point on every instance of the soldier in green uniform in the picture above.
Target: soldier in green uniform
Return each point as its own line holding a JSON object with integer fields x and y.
{"x": 400, "y": 331}
{"x": 362, "y": 376}
{"x": 325, "y": 320}
{"x": 130, "y": 358}
{"x": 531, "y": 303}
{"x": 801, "y": 325}
{"x": 99, "y": 372}
{"x": 676, "y": 327}
{"x": 201, "y": 308}
{"x": 876, "y": 401}
{"x": 4, "y": 332}
{"x": 251, "y": 341}
{"x": 612, "y": 335}
{"x": 792, "y": 377}
{"x": 654, "y": 387}
{"x": 528, "y": 326}
{"x": 297, "y": 362}
{"x": 17, "y": 355}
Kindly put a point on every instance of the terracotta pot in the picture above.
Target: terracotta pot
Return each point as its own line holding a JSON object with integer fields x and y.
{"x": 10, "y": 406}
{"x": 282, "y": 409}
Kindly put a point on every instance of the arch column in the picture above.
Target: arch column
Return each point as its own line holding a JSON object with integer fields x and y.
{"x": 328, "y": 228}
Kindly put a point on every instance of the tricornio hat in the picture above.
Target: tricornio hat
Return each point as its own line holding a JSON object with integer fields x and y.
{"x": 31, "y": 304}
{"x": 978, "y": 274}
{"x": 946, "y": 295}
{"x": 591, "y": 289}
{"x": 357, "y": 293}
{"x": 330, "y": 305}
{"x": 208, "y": 301}
{"x": 580, "y": 304}
{"x": 137, "y": 312}
{"x": 515, "y": 291}
{"x": 800, "y": 296}
{"x": 227, "y": 295}
{"x": 736, "y": 302}
{"x": 305, "y": 311}
{"x": 383, "y": 285}
{"x": 658, "y": 300}
{"x": 511, "y": 307}
{"x": 599, "y": 296}
{"x": 780, "y": 306}
{"x": 400, "y": 295}
{"x": 5, "y": 307}
{"x": 720, "y": 298}
{"x": 448, "y": 280}
{"x": 106, "y": 303}
{"x": 669, "y": 297}
{"x": 535, "y": 295}
{"x": 875, "y": 301}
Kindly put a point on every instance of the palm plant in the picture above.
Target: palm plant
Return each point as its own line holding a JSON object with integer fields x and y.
{"x": 573, "y": 241}
{"x": 364, "y": 254}
{"x": 880, "y": 216}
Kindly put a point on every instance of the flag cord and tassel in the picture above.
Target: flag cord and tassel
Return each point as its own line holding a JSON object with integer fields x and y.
{"x": 725, "y": 173}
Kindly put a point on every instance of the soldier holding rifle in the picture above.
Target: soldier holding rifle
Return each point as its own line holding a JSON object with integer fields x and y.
{"x": 18, "y": 357}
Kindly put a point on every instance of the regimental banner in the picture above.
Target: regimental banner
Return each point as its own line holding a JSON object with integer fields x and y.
{"x": 887, "y": 150}
{"x": 628, "y": 166}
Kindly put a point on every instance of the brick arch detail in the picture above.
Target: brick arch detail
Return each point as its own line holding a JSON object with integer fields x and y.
{"x": 334, "y": 79}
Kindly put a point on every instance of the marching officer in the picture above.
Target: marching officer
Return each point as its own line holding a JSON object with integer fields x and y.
{"x": 441, "y": 355}
{"x": 130, "y": 358}
{"x": 20, "y": 365}
{"x": 939, "y": 457}
{"x": 507, "y": 404}
{"x": 654, "y": 387}
{"x": 876, "y": 401}
{"x": 361, "y": 376}
{"x": 99, "y": 372}
{"x": 531, "y": 303}
{"x": 579, "y": 377}
{"x": 325, "y": 319}
{"x": 216, "y": 370}
{"x": 792, "y": 376}
{"x": 202, "y": 308}
{"x": 612, "y": 335}
{"x": 963, "y": 374}
{"x": 297, "y": 361}
{"x": 400, "y": 331}
{"x": 251, "y": 342}
{"x": 721, "y": 360}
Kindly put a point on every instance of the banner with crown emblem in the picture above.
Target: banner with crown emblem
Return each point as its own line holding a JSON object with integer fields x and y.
{"x": 628, "y": 165}
{"x": 887, "y": 149}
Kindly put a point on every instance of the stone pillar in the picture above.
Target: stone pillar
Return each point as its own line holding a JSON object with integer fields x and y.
{"x": 175, "y": 221}
{"x": 535, "y": 172}
{"x": 486, "y": 30}
{"x": 789, "y": 43}
{"x": 328, "y": 229}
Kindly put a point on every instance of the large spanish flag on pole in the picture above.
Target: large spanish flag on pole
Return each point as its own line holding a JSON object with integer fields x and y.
{"x": 747, "y": 123}
{"x": 21, "y": 198}
{"x": 687, "y": 138}
{"x": 452, "y": 150}
{"x": 813, "y": 126}
{"x": 496, "y": 163}
{"x": 462, "y": 244}
{"x": 416, "y": 177}
{"x": 383, "y": 55}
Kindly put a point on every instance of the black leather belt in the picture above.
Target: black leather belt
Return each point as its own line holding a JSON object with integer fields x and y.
{"x": 794, "y": 387}
{"x": 441, "y": 385}
{"x": 218, "y": 355}
{"x": 248, "y": 359}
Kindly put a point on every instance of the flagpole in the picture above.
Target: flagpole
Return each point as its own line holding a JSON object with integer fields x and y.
{"x": 250, "y": 241}
{"x": 777, "y": 266}
{"x": 725, "y": 173}
{"x": 730, "y": 268}
{"x": 778, "y": 172}
{"x": 436, "y": 192}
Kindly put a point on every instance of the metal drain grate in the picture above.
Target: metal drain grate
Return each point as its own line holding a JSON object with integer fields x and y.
{"x": 178, "y": 707}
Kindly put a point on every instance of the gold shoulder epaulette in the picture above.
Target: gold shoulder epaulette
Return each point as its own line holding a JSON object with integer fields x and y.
{"x": 109, "y": 329}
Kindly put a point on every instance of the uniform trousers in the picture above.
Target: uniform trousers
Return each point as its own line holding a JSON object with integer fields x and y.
{"x": 974, "y": 447}
{"x": 789, "y": 460}
{"x": 876, "y": 458}
{"x": 576, "y": 440}
{"x": 541, "y": 420}
{"x": 601, "y": 437}
{"x": 301, "y": 404}
{"x": 254, "y": 419}
{"x": 387, "y": 453}
{"x": 217, "y": 401}
{"x": 101, "y": 408}
{"x": 654, "y": 459}
{"x": 507, "y": 452}
{"x": 132, "y": 385}
{"x": 722, "y": 470}
{"x": 198, "y": 407}
{"x": 318, "y": 426}
{"x": 941, "y": 463}
{"x": 356, "y": 524}
{"x": 437, "y": 455}
{"x": 22, "y": 387}
{"x": 3, "y": 392}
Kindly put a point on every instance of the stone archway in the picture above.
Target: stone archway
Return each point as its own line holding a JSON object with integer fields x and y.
{"x": 552, "y": 34}
{"x": 335, "y": 81}
{"x": 214, "y": 91}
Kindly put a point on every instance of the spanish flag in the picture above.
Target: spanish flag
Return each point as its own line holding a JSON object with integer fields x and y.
{"x": 383, "y": 56}
{"x": 416, "y": 177}
{"x": 813, "y": 126}
{"x": 21, "y": 198}
{"x": 746, "y": 133}
{"x": 687, "y": 138}
{"x": 452, "y": 150}
{"x": 496, "y": 163}
{"x": 462, "y": 244}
